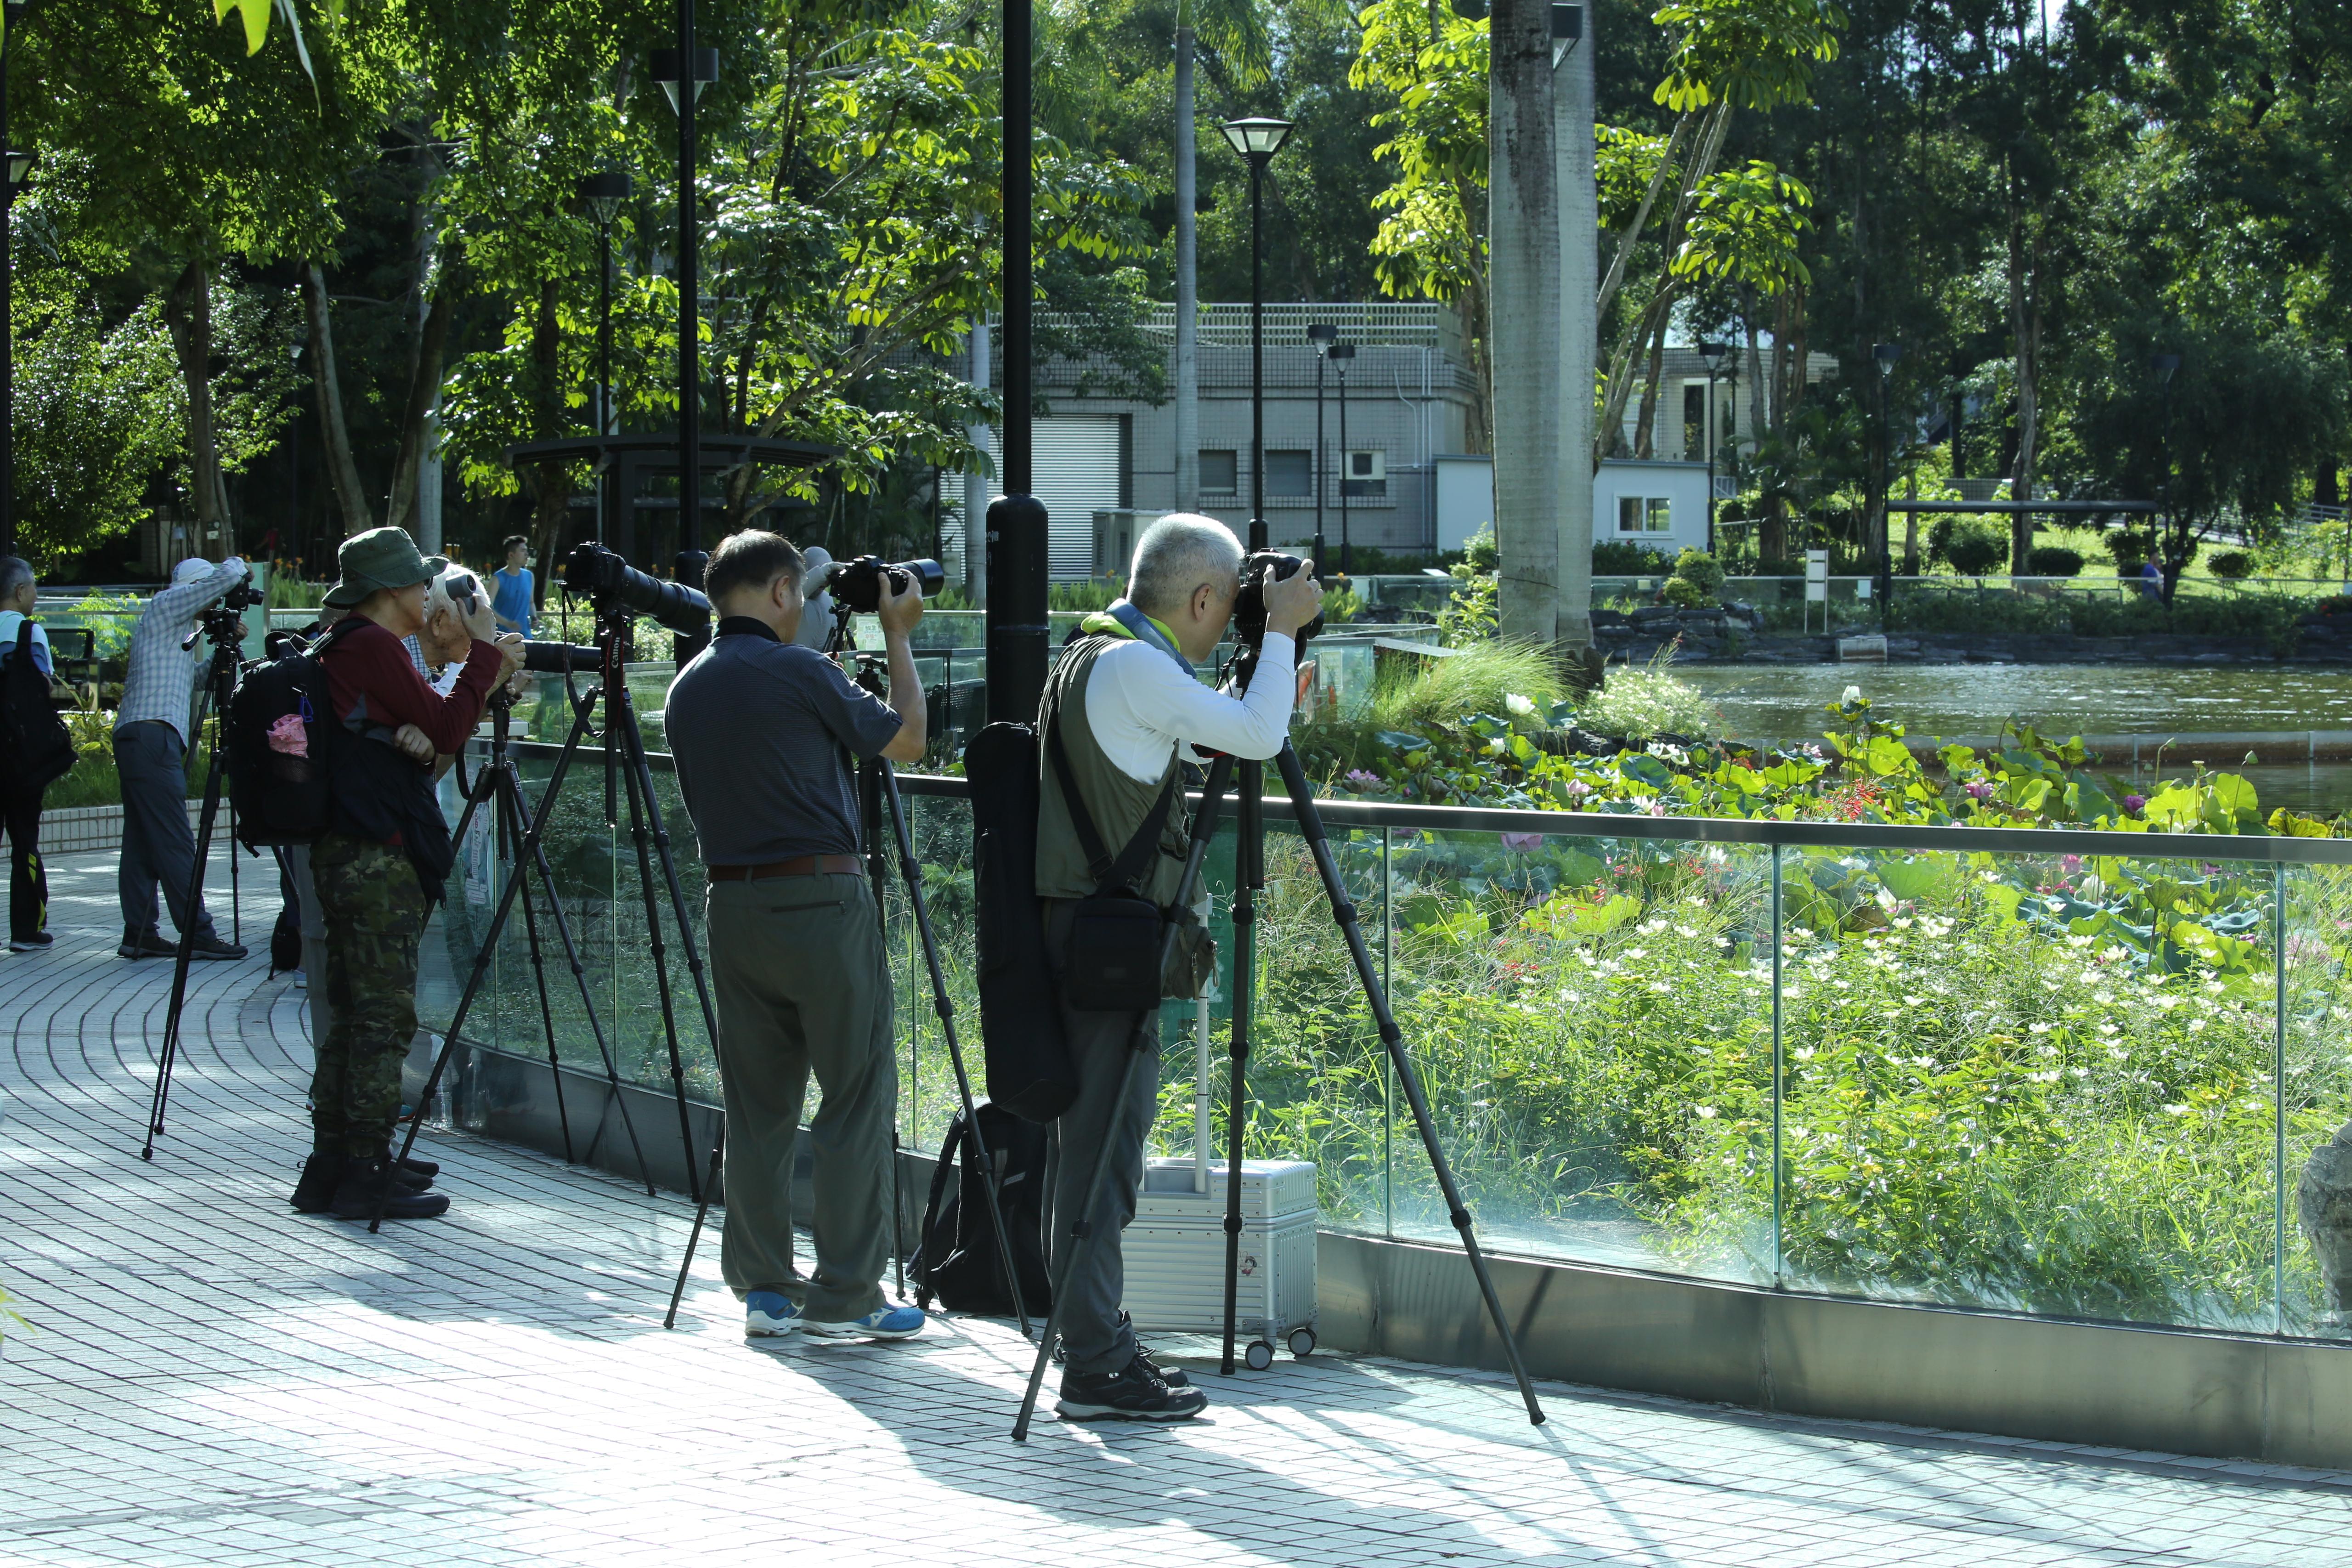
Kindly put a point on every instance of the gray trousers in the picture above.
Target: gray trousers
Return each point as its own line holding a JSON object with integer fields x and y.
{"x": 157, "y": 847}
{"x": 1095, "y": 1336}
{"x": 803, "y": 986}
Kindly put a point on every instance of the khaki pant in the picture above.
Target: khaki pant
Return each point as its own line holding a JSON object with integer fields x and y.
{"x": 803, "y": 986}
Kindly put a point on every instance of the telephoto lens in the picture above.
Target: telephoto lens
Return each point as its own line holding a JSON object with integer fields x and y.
{"x": 613, "y": 582}
{"x": 858, "y": 584}
{"x": 560, "y": 658}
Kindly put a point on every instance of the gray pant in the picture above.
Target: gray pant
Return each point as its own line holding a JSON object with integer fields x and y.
{"x": 1095, "y": 1337}
{"x": 151, "y": 760}
{"x": 802, "y": 986}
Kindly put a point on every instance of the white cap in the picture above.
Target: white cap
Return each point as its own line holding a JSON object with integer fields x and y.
{"x": 188, "y": 571}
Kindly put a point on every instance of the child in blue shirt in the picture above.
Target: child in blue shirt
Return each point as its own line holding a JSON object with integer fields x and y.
{"x": 510, "y": 597}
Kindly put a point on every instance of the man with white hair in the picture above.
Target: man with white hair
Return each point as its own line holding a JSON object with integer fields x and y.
{"x": 1124, "y": 707}
{"x": 151, "y": 752}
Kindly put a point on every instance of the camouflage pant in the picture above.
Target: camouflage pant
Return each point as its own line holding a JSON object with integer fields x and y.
{"x": 374, "y": 911}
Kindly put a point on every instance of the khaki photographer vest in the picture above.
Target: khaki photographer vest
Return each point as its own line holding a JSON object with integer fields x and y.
{"x": 1117, "y": 802}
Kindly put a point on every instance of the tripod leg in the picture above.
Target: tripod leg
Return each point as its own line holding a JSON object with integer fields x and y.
{"x": 507, "y": 780}
{"x": 913, "y": 871}
{"x": 641, "y": 802}
{"x": 224, "y": 672}
{"x": 877, "y": 876}
{"x": 1343, "y": 911}
{"x": 1249, "y": 865}
{"x": 1204, "y": 828}
{"x": 701, "y": 1212}
{"x": 538, "y": 970}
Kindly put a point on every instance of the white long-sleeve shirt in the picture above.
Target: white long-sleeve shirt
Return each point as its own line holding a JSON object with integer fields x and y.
{"x": 1138, "y": 705}
{"x": 161, "y": 681}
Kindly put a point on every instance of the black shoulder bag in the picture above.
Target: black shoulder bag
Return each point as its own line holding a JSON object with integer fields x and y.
{"x": 1113, "y": 961}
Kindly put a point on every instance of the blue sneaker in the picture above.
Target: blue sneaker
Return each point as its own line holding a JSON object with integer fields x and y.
{"x": 889, "y": 1324}
{"x": 767, "y": 1312}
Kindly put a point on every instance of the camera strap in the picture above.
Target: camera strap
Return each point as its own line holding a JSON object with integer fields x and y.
{"x": 1123, "y": 872}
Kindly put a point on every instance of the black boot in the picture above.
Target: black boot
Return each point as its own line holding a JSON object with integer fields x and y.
{"x": 321, "y": 1175}
{"x": 370, "y": 1182}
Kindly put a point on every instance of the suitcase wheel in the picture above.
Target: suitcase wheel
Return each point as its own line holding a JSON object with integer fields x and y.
{"x": 1259, "y": 1356}
{"x": 1302, "y": 1342}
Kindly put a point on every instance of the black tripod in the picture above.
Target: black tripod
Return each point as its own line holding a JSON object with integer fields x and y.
{"x": 1250, "y": 865}
{"x": 636, "y": 776}
{"x": 225, "y": 629}
{"x": 877, "y": 778}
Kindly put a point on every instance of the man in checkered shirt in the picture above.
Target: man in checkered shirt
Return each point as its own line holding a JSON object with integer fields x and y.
{"x": 151, "y": 749}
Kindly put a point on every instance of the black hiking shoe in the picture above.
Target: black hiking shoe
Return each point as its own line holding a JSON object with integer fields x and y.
{"x": 365, "y": 1183}
{"x": 1173, "y": 1376}
{"x": 207, "y": 945}
{"x": 425, "y": 1168}
{"x": 323, "y": 1173}
{"x": 1134, "y": 1393}
{"x": 148, "y": 943}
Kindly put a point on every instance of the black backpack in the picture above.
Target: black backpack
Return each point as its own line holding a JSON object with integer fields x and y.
{"x": 35, "y": 748}
{"x": 281, "y": 795}
{"x": 956, "y": 1262}
{"x": 1028, "y": 1058}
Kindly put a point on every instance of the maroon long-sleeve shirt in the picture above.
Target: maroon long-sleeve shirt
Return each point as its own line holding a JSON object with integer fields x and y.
{"x": 370, "y": 677}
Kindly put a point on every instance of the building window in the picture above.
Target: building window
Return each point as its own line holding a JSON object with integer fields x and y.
{"x": 1219, "y": 473}
{"x": 1644, "y": 514}
{"x": 1290, "y": 474}
{"x": 1366, "y": 476}
{"x": 1694, "y": 421}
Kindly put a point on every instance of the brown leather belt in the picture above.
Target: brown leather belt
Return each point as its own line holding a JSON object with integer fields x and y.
{"x": 798, "y": 866}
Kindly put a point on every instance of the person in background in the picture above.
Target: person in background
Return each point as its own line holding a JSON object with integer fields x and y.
{"x": 2151, "y": 580}
{"x": 20, "y": 810}
{"x": 511, "y": 602}
{"x": 150, "y": 754}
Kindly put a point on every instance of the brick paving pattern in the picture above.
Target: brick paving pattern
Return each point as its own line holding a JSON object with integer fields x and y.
{"x": 209, "y": 1378}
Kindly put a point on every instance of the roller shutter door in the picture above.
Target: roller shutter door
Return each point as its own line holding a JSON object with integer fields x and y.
{"x": 1078, "y": 466}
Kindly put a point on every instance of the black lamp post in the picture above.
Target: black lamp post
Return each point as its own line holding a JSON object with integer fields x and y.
{"x": 1711, "y": 355}
{"x": 603, "y": 192}
{"x": 19, "y": 168}
{"x": 2164, "y": 365}
{"x": 684, "y": 89}
{"x": 1885, "y": 354}
{"x": 1322, "y": 335}
{"x": 1342, "y": 356}
{"x": 1258, "y": 139}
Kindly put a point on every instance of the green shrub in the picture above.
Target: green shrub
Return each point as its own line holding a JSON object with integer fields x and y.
{"x": 1620, "y": 558}
{"x": 1477, "y": 681}
{"x": 1482, "y": 555}
{"x": 1685, "y": 595}
{"x": 2127, "y": 549}
{"x": 1636, "y": 704}
{"x": 2052, "y": 561}
{"x": 1697, "y": 566}
{"x": 1971, "y": 546}
{"x": 2232, "y": 566}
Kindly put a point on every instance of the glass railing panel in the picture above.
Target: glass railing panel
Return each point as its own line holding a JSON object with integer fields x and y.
{"x": 2317, "y": 1185}
{"x": 1591, "y": 1022}
{"x": 2035, "y": 1082}
{"x": 941, "y": 830}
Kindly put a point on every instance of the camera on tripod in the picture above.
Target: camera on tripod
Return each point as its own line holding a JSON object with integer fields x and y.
{"x": 1259, "y": 568}
{"x": 613, "y": 584}
{"x": 222, "y": 623}
{"x": 858, "y": 584}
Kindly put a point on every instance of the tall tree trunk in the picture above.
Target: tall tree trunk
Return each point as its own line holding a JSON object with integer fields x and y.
{"x": 554, "y": 499}
{"x": 1579, "y": 332}
{"x": 1645, "y": 424}
{"x": 2025, "y": 325}
{"x": 1187, "y": 495}
{"x": 1524, "y": 275}
{"x": 188, "y": 311}
{"x": 416, "y": 431}
{"x": 1758, "y": 407}
{"x": 342, "y": 471}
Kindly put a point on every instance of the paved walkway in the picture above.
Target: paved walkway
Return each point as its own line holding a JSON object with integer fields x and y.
{"x": 209, "y": 1378}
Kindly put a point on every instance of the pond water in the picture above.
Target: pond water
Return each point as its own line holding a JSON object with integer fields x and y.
{"x": 1786, "y": 702}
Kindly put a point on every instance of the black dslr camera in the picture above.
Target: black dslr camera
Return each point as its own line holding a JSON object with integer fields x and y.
{"x": 613, "y": 584}
{"x": 858, "y": 584}
{"x": 242, "y": 597}
{"x": 1259, "y": 569}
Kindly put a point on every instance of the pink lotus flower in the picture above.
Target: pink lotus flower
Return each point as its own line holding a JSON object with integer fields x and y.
{"x": 1525, "y": 843}
{"x": 1979, "y": 791}
{"x": 2134, "y": 803}
{"x": 1357, "y": 778}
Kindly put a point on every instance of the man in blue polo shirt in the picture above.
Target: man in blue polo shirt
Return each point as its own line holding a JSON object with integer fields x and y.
{"x": 767, "y": 734}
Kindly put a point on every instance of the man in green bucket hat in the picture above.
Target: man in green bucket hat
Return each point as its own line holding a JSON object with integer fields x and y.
{"x": 382, "y": 862}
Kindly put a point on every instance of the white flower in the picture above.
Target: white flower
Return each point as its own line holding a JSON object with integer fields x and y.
{"x": 2175, "y": 1111}
{"x": 1518, "y": 705}
{"x": 1706, "y": 1112}
{"x": 1852, "y": 694}
{"x": 2036, "y": 1029}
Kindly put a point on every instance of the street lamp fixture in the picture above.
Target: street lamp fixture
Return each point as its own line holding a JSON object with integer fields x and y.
{"x": 20, "y": 169}
{"x": 1711, "y": 355}
{"x": 2164, "y": 365}
{"x": 1258, "y": 138}
{"x": 1342, "y": 356}
{"x": 1885, "y": 354}
{"x": 666, "y": 72}
{"x": 1321, "y": 335}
